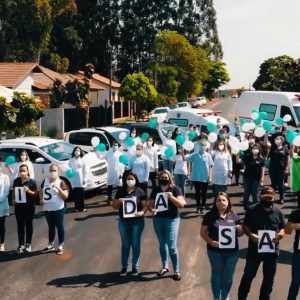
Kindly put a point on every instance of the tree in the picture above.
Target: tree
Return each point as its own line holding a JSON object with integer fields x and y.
{"x": 137, "y": 87}
{"x": 217, "y": 76}
{"x": 278, "y": 74}
{"x": 57, "y": 94}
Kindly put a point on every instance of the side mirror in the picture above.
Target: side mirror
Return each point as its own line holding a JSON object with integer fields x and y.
{"x": 40, "y": 160}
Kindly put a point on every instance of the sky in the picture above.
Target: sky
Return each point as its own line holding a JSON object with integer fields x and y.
{"x": 252, "y": 31}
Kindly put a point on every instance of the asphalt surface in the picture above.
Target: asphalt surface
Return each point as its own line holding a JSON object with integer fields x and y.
{"x": 89, "y": 268}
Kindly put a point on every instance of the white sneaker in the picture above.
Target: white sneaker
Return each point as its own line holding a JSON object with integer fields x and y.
{"x": 27, "y": 248}
{"x": 2, "y": 248}
{"x": 60, "y": 249}
{"x": 49, "y": 248}
{"x": 20, "y": 249}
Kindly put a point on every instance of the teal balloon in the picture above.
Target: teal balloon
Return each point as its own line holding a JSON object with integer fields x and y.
{"x": 267, "y": 125}
{"x": 169, "y": 152}
{"x": 279, "y": 121}
{"x": 69, "y": 173}
{"x": 129, "y": 141}
{"x": 211, "y": 126}
{"x": 267, "y": 162}
{"x": 241, "y": 153}
{"x": 10, "y": 160}
{"x": 180, "y": 139}
{"x": 263, "y": 115}
{"x": 192, "y": 135}
{"x": 290, "y": 135}
{"x": 152, "y": 123}
{"x": 242, "y": 122}
{"x": 145, "y": 136}
{"x": 100, "y": 147}
{"x": 123, "y": 159}
{"x": 257, "y": 121}
{"x": 255, "y": 110}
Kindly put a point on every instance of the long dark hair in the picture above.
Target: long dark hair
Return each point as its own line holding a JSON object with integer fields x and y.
{"x": 229, "y": 207}
{"x": 75, "y": 148}
{"x": 125, "y": 175}
{"x": 24, "y": 166}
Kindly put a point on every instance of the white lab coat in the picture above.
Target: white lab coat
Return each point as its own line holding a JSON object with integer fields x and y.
{"x": 152, "y": 155}
{"x": 4, "y": 191}
{"x": 222, "y": 165}
{"x": 78, "y": 165}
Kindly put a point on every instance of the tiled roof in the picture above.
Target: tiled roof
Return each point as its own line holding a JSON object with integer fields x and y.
{"x": 103, "y": 80}
{"x": 12, "y": 73}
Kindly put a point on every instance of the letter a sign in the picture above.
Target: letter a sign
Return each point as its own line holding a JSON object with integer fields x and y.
{"x": 129, "y": 207}
{"x": 265, "y": 244}
{"x": 161, "y": 202}
{"x": 227, "y": 237}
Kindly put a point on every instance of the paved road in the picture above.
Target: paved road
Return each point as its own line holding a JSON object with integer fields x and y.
{"x": 89, "y": 267}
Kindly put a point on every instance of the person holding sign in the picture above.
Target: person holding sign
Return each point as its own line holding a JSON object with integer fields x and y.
{"x": 264, "y": 225}
{"x": 164, "y": 203}
{"x": 54, "y": 191}
{"x": 294, "y": 224}
{"x": 132, "y": 205}
{"x": 220, "y": 229}
{"x": 79, "y": 180}
{"x": 24, "y": 191}
{"x": 4, "y": 207}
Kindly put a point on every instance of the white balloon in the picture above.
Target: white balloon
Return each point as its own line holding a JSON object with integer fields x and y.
{"x": 244, "y": 145}
{"x": 259, "y": 131}
{"x": 233, "y": 141}
{"x": 95, "y": 141}
{"x": 212, "y": 137}
{"x": 188, "y": 145}
{"x": 296, "y": 141}
{"x": 122, "y": 135}
{"x": 251, "y": 125}
{"x": 287, "y": 118}
{"x": 254, "y": 115}
{"x": 160, "y": 119}
{"x": 245, "y": 127}
{"x": 235, "y": 150}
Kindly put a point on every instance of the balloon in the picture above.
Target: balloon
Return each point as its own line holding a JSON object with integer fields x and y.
{"x": 279, "y": 121}
{"x": 188, "y": 145}
{"x": 123, "y": 159}
{"x": 211, "y": 126}
{"x": 95, "y": 141}
{"x": 241, "y": 153}
{"x": 179, "y": 139}
{"x": 145, "y": 136}
{"x": 255, "y": 110}
{"x": 122, "y": 136}
{"x": 160, "y": 119}
{"x": 212, "y": 137}
{"x": 251, "y": 125}
{"x": 129, "y": 141}
{"x": 263, "y": 115}
{"x": 242, "y": 122}
{"x": 296, "y": 140}
{"x": 244, "y": 145}
{"x": 233, "y": 141}
{"x": 290, "y": 135}
{"x": 152, "y": 123}
{"x": 192, "y": 134}
{"x": 257, "y": 121}
{"x": 245, "y": 127}
{"x": 267, "y": 162}
{"x": 235, "y": 150}
{"x": 267, "y": 125}
{"x": 10, "y": 160}
{"x": 287, "y": 118}
{"x": 101, "y": 147}
{"x": 69, "y": 173}
{"x": 254, "y": 115}
{"x": 169, "y": 152}
{"x": 259, "y": 131}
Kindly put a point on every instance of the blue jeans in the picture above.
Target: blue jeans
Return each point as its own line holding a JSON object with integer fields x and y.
{"x": 253, "y": 261}
{"x": 167, "y": 165}
{"x": 250, "y": 188}
{"x": 131, "y": 233}
{"x": 295, "y": 284}
{"x": 56, "y": 219}
{"x": 222, "y": 271}
{"x": 180, "y": 180}
{"x": 167, "y": 231}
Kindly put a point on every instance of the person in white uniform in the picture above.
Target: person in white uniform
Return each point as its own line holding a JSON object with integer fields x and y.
{"x": 4, "y": 207}
{"x": 79, "y": 180}
{"x": 23, "y": 159}
{"x": 54, "y": 191}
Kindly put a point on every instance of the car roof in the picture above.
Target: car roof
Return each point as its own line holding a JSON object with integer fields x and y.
{"x": 31, "y": 140}
{"x": 163, "y": 107}
{"x": 110, "y": 129}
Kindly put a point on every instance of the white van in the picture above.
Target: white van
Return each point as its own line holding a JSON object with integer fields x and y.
{"x": 275, "y": 104}
{"x": 184, "y": 117}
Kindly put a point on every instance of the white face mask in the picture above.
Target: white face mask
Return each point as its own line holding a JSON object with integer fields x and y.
{"x": 53, "y": 174}
{"x": 221, "y": 147}
{"x": 149, "y": 143}
{"x": 115, "y": 147}
{"x": 278, "y": 142}
{"x": 139, "y": 152}
{"x": 77, "y": 153}
{"x": 23, "y": 157}
{"x": 169, "y": 135}
{"x": 130, "y": 182}
{"x": 133, "y": 134}
{"x": 255, "y": 151}
{"x": 251, "y": 141}
{"x": 180, "y": 151}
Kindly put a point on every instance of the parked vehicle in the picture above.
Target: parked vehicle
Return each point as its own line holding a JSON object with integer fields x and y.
{"x": 160, "y": 113}
{"x": 173, "y": 106}
{"x": 201, "y": 100}
{"x": 184, "y": 104}
{"x": 44, "y": 151}
{"x": 275, "y": 104}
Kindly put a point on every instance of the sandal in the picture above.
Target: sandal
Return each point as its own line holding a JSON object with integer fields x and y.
{"x": 162, "y": 272}
{"x": 177, "y": 276}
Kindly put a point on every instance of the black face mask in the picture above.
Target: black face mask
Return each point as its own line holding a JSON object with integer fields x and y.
{"x": 164, "y": 181}
{"x": 266, "y": 204}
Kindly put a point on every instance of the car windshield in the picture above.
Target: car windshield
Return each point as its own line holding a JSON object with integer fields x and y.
{"x": 116, "y": 134}
{"x": 59, "y": 150}
{"x": 182, "y": 104}
{"x": 160, "y": 111}
{"x": 297, "y": 111}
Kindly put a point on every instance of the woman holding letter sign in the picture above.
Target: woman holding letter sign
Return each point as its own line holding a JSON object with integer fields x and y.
{"x": 164, "y": 203}
{"x": 220, "y": 229}
{"x": 132, "y": 205}
{"x": 24, "y": 191}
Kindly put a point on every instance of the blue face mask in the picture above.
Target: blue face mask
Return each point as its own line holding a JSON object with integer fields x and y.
{"x": 222, "y": 136}
{"x": 202, "y": 149}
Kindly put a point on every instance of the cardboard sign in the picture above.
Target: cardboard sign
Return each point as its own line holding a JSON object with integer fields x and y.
{"x": 129, "y": 207}
{"x": 20, "y": 195}
{"x": 265, "y": 244}
{"x": 161, "y": 202}
{"x": 227, "y": 237}
{"x": 48, "y": 193}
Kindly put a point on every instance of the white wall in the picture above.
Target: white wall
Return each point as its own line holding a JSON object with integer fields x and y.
{"x": 26, "y": 85}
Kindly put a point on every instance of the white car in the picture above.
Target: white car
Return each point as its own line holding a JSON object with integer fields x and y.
{"x": 44, "y": 151}
{"x": 201, "y": 101}
{"x": 184, "y": 104}
{"x": 160, "y": 113}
